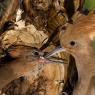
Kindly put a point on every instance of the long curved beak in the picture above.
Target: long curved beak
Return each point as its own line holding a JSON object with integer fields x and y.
{"x": 54, "y": 51}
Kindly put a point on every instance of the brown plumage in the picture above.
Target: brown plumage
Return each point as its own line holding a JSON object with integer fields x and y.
{"x": 47, "y": 79}
{"x": 24, "y": 60}
{"x": 79, "y": 40}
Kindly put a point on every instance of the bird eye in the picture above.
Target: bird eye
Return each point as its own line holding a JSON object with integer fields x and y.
{"x": 36, "y": 53}
{"x": 72, "y": 43}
